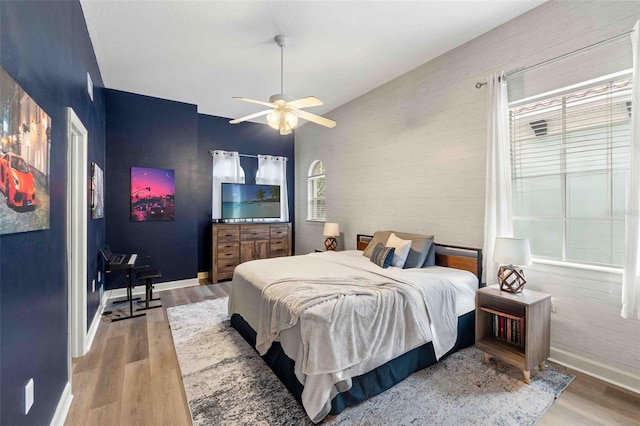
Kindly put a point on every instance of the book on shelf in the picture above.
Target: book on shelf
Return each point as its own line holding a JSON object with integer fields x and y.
{"x": 507, "y": 328}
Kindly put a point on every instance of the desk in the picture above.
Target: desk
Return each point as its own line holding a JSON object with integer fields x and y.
{"x": 126, "y": 266}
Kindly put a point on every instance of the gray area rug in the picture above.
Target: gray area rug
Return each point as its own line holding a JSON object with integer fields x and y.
{"x": 227, "y": 383}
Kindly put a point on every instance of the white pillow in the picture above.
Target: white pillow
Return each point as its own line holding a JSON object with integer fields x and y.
{"x": 402, "y": 249}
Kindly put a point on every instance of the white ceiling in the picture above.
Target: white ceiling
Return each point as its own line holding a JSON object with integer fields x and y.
{"x": 205, "y": 52}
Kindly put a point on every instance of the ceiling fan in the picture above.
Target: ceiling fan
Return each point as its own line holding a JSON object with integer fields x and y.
{"x": 285, "y": 110}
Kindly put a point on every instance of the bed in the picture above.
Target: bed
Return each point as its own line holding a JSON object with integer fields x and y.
{"x": 338, "y": 329}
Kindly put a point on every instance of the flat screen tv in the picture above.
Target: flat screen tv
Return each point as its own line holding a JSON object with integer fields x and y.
{"x": 250, "y": 201}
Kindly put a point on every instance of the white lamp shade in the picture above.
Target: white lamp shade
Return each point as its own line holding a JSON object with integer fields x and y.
{"x": 512, "y": 251}
{"x": 331, "y": 230}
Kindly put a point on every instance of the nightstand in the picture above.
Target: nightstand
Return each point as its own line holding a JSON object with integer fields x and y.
{"x": 514, "y": 327}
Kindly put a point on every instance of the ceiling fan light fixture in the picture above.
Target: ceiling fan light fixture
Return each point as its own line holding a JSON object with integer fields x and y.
{"x": 291, "y": 118}
{"x": 283, "y": 119}
{"x": 273, "y": 120}
{"x": 285, "y": 109}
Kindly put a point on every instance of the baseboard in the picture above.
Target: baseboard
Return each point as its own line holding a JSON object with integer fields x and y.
{"x": 203, "y": 275}
{"x": 63, "y": 407}
{"x": 140, "y": 289}
{"x": 596, "y": 369}
{"x": 91, "y": 333}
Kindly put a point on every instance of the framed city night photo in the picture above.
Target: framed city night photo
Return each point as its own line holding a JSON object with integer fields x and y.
{"x": 152, "y": 194}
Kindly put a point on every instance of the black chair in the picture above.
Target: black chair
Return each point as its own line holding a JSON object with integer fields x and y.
{"x": 148, "y": 275}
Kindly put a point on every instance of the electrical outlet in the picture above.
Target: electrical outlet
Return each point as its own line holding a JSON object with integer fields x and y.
{"x": 93, "y": 286}
{"x": 28, "y": 396}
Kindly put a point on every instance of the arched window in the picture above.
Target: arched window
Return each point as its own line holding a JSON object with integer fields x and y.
{"x": 316, "y": 192}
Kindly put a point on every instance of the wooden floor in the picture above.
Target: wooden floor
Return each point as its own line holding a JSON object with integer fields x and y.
{"x": 131, "y": 377}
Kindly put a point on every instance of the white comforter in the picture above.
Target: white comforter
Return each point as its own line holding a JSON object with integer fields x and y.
{"x": 347, "y": 315}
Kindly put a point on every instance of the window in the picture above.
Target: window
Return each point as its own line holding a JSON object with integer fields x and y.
{"x": 569, "y": 166}
{"x": 316, "y": 192}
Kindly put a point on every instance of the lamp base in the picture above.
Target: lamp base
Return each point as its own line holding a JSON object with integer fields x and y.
{"x": 511, "y": 278}
{"x": 330, "y": 244}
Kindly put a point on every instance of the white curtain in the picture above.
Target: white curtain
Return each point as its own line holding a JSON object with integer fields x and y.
{"x": 226, "y": 168}
{"x": 498, "y": 220}
{"x": 631, "y": 276}
{"x": 273, "y": 171}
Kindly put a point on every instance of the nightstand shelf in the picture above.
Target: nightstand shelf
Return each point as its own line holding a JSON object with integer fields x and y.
{"x": 514, "y": 327}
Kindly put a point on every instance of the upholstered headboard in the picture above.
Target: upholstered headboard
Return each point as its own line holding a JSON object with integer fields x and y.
{"x": 458, "y": 257}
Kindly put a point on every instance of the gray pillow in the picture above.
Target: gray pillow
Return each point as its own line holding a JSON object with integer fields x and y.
{"x": 379, "y": 237}
{"x": 382, "y": 256}
{"x": 417, "y": 258}
{"x": 430, "y": 260}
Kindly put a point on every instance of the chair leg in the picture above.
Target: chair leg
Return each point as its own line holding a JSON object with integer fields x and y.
{"x": 149, "y": 296}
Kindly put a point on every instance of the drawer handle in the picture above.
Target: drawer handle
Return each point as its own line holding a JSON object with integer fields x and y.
{"x": 228, "y": 245}
{"x": 228, "y": 235}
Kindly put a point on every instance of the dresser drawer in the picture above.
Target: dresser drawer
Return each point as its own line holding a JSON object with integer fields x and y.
{"x": 228, "y": 248}
{"x": 279, "y": 252}
{"x": 279, "y": 231}
{"x": 226, "y": 265}
{"x": 254, "y": 232}
{"x": 279, "y": 245}
{"x": 227, "y": 234}
{"x": 224, "y": 276}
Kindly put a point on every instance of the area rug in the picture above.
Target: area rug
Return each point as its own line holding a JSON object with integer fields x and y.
{"x": 227, "y": 383}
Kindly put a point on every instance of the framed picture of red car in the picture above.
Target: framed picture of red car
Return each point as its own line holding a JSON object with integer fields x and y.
{"x": 25, "y": 145}
{"x": 152, "y": 194}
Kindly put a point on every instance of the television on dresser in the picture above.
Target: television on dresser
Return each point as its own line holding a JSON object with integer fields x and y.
{"x": 250, "y": 201}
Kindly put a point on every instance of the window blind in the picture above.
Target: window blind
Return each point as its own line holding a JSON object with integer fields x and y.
{"x": 569, "y": 165}
{"x": 586, "y": 130}
{"x": 317, "y": 203}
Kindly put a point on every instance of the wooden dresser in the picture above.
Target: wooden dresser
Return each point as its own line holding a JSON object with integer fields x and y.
{"x": 233, "y": 244}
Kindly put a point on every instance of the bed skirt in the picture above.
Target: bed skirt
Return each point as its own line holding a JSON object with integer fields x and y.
{"x": 366, "y": 385}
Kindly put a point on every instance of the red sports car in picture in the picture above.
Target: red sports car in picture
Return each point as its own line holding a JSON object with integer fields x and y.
{"x": 16, "y": 181}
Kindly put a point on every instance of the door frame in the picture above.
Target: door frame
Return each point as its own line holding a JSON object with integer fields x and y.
{"x": 77, "y": 157}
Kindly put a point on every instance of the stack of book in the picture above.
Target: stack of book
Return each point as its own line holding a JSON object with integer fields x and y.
{"x": 507, "y": 327}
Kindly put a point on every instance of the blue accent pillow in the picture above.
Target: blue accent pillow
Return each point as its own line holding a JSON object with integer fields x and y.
{"x": 382, "y": 256}
{"x": 431, "y": 254}
{"x": 417, "y": 259}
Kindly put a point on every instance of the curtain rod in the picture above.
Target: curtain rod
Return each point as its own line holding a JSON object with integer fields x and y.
{"x": 245, "y": 155}
{"x": 241, "y": 155}
{"x": 557, "y": 58}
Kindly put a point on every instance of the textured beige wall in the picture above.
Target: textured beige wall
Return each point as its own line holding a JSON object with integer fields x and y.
{"x": 410, "y": 155}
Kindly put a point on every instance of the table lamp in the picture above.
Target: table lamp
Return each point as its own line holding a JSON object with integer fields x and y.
{"x": 512, "y": 252}
{"x": 331, "y": 230}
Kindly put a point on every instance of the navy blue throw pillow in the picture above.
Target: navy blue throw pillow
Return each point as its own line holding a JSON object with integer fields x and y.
{"x": 382, "y": 256}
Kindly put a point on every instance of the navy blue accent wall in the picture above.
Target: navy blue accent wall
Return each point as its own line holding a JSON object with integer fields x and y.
{"x": 143, "y": 131}
{"x": 45, "y": 47}
{"x": 149, "y": 132}
{"x": 245, "y": 138}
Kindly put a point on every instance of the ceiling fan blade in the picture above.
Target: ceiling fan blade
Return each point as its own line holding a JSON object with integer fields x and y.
{"x": 316, "y": 119}
{"x": 309, "y": 101}
{"x": 249, "y": 117}
{"x": 253, "y": 101}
